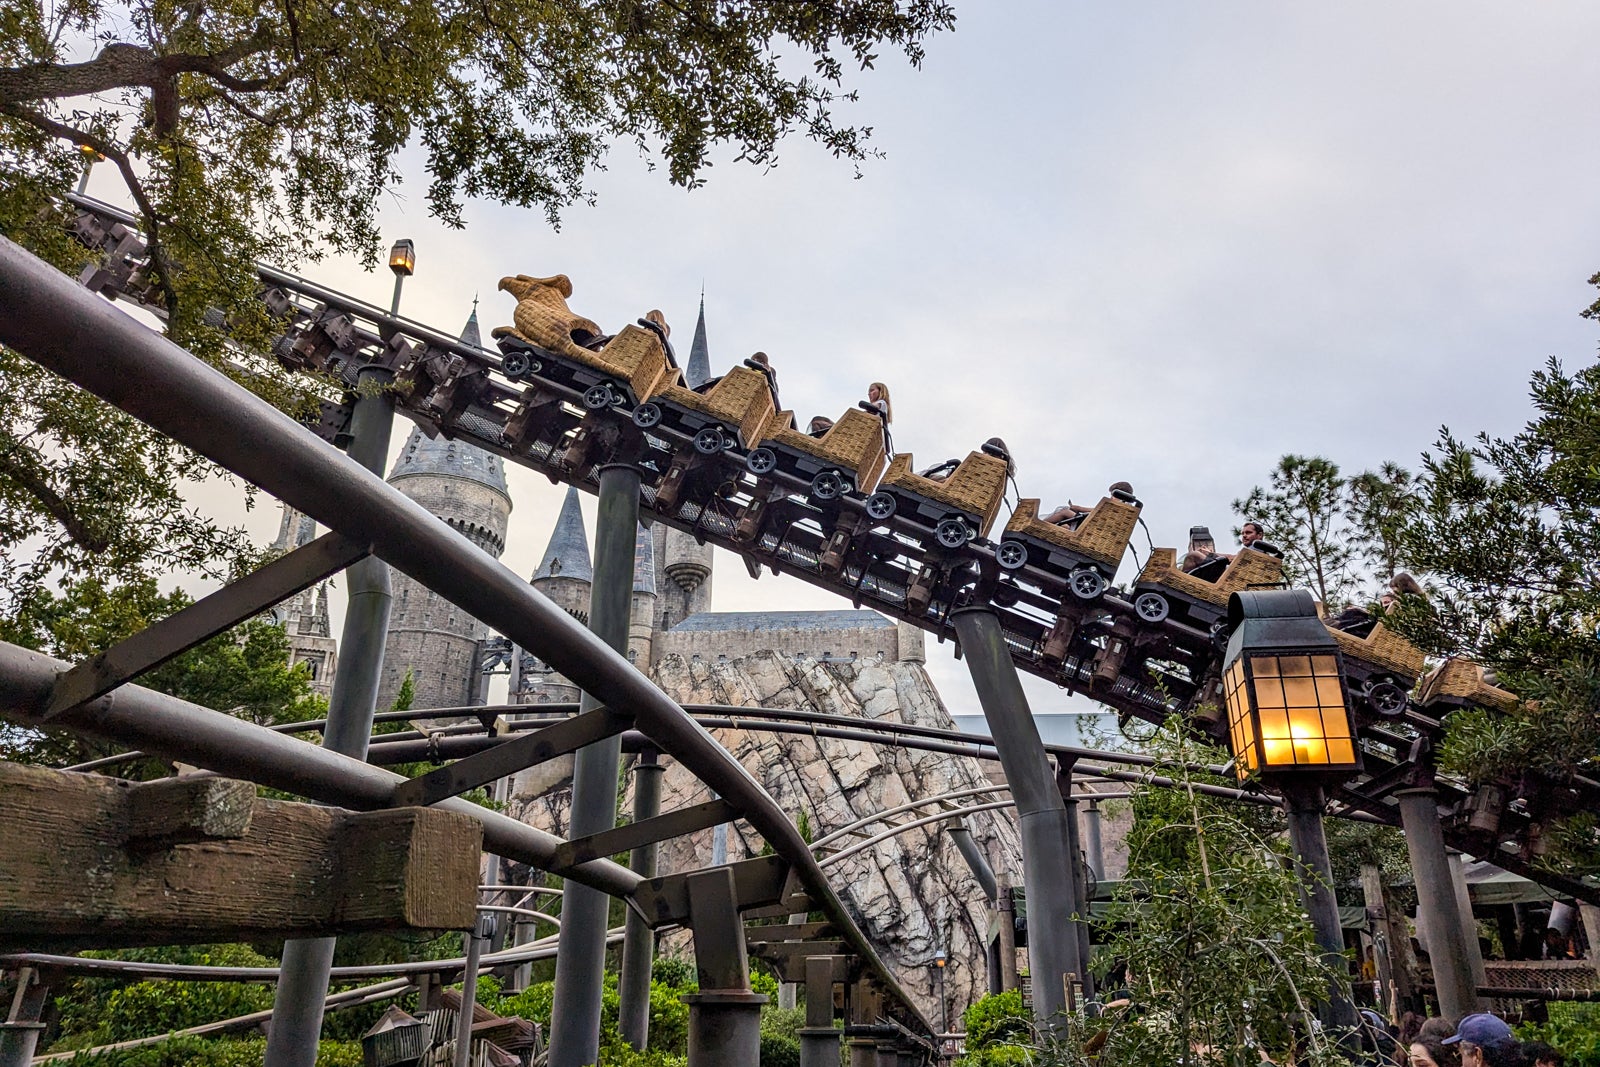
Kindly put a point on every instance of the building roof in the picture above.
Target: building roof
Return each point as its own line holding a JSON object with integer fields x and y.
{"x": 568, "y": 553}
{"x": 815, "y": 621}
{"x": 442, "y": 457}
{"x": 644, "y": 563}
{"x": 456, "y": 459}
{"x": 698, "y": 371}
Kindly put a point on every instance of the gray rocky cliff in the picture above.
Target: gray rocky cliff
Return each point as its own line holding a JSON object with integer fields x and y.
{"x": 911, "y": 894}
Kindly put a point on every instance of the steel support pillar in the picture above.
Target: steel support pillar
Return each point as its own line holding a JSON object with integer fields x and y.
{"x": 962, "y": 837}
{"x": 1080, "y": 902}
{"x": 1437, "y": 914}
{"x": 1091, "y": 841}
{"x": 19, "y": 1034}
{"x": 1006, "y": 943}
{"x": 469, "y": 987}
{"x": 638, "y": 940}
{"x": 1047, "y": 866}
{"x": 725, "y": 1016}
{"x": 866, "y": 1005}
{"x": 581, "y": 950}
{"x": 819, "y": 1038}
{"x": 1469, "y": 925}
{"x": 297, "y": 1004}
{"x": 1305, "y": 803}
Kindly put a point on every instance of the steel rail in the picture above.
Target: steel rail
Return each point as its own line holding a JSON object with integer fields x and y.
{"x": 51, "y": 320}
{"x": 894, "y": 831}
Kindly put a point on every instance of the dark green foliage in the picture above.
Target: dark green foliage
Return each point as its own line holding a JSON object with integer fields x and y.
{"x": 779, "y": 1051}
{"x": 221, "y": 1052}
{"x": 1303, "y": 511}
{"x": 996, "y": 1019}
{"x": 673, "y": 971}
{"x": 1574, "y": 1029}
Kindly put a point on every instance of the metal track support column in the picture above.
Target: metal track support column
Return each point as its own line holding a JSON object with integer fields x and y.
{"x": 638, "y": 940}
{"x": 1047, "y": 867}
{"x": 819, "y": 1038}
{"x": 1305, "y": 803}
{"x": 1081, "y": 876}
{"x": 581, "y": 949}
{"x": 1091, "y": 840}
{"x": 725, "y": 1016}
{"x": 1006, "y": 942}
{"x": 297, "y": 1005}
{"x": 469, "y": 987}
{"x": 19, "y": 1034}
{"x": 1438, "y": 915}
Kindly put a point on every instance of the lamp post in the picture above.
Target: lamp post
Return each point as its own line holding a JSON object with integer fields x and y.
{"x": 403, "y": 261}
{"x": 90, "y": 158}
{"x": 939, "y": 960}
{"x": 1289, "y": 720}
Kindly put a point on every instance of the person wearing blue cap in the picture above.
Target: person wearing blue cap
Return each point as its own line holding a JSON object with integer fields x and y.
{"x": 1486, "y": 1041}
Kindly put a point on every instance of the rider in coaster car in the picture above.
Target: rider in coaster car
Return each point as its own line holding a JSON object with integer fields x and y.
{"x": 994, "y": 446}
{"x": 1359, "y": 622}
{"x": 1070, "y": 514}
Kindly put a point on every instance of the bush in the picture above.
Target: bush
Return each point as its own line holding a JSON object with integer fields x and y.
{"x": 200, "y": 1052}
{"x": 995, "y": 1056}
{"x": 674, "y": 971}
{"x": 997, "y": 1019}
{"x": 777, "y": 1051}
{"x": 1574, "y": 1029}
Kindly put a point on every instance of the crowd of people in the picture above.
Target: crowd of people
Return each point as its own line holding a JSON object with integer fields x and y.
{"x": 1477, "y": 1040}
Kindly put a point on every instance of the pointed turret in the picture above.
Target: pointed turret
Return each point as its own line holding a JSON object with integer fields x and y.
{"x": 698, "y": 371}
{"x": 568, "y": 553}
{"x": 469, "y": 332}
{"x": 565, "y": 575}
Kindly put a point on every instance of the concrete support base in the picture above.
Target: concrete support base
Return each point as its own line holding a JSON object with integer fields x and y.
{"x": 724, "y": 1028}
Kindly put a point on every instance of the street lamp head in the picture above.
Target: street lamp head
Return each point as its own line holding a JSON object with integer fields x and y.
{"x": 91, "y": 154}
{"x": 403, "y": 259}
{"x": 1283, "y": 680}
{"x": 939, "y": 959}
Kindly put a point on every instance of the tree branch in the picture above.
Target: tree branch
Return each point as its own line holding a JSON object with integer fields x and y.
{"x": 121, "y": 66}
{"x": 25, "y": 476}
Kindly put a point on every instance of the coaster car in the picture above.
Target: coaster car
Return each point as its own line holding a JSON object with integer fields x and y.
{"x": 732, "y": 414}
{"x": 949, "y": 513}
{"x": 1459, "y": 683}
{"x": 1162, "y": 590}
{"x": 1081, "y": 561}
{"x": 845, "y": 460}
{"x": 1381, "y": 667}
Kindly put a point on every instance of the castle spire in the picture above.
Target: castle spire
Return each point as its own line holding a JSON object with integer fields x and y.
{"x": 568, "y": 553}
{"x": 699, "y": 369}
{"x": 469, "y": 332}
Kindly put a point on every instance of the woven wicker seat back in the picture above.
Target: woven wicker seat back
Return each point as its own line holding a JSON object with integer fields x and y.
{"x": 976, "y": 486}
{"x": 854, "y": 443}
{"x": 1462, "y": 679}
{"x": 1249, "y": 570}
{"x": 1102, "y": 536}
{"x": 740, "y": 398}
{"x": 542, "y": 317}
{"x": 1382, "y": 647}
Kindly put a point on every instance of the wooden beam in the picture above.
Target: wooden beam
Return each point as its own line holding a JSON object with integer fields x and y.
{"x": 88, "y": 861}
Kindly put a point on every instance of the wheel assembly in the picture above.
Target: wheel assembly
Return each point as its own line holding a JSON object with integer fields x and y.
{"x": 598, "y": 397}
{"x": 1386, "y": 698}
{"x": 880, "y": 506}
{"x": 1086, "y": 584}
{"x": 1151, "y": 607}
{"x": 761, "y": 461}
{"x": 952, "y": 533}
{"x": 517, "y": 365}
{"x": 646, "y": 416}
{"x": 1011, "y": 555}
{"x": 709, "y": 441}
{"x": 827, "y": 485}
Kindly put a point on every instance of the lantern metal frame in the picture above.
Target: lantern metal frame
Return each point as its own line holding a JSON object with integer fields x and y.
{"x": 1287, "y": 700}
{"x": 403, "y": 258}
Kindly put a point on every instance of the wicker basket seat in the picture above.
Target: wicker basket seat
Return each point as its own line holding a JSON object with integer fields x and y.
{"x": 635, "y": 357}
{"x": 1102, "y": 536}
{"x": 976, "y": 486}
{"x": 1383, "y": 648}
{"x": 741, "y": 399}
{"x": 1461, "y": 680}
{"x": 1248, "y": 570}
{"x": 854, "y": 444}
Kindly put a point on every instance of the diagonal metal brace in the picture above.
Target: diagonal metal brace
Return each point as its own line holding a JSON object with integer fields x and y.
{"x": 509, "y": 757}
{"x": 204, "y": 619}
{"x": 660, "y": 828}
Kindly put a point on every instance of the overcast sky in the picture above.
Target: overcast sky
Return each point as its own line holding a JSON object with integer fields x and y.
{"x": 1163, "y": 242}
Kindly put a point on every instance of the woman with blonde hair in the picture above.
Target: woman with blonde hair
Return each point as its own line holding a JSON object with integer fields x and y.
{"x": 878, "y": 397}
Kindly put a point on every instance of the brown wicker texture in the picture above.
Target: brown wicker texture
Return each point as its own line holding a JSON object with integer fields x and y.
{"x": 1102, "y": 535}
{"x": 1249, "y": 570}
{"x": 542, "y": 318}
{"x": 1462, "y": 679}
{"x": 976, "y": 486}
{"x": 1382, "y": 647}
{"x": 740, "y": 398}
{"x": 854, "y": 443}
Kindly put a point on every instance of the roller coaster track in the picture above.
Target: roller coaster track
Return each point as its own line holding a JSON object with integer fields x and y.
{"x": 1147, "y": 652}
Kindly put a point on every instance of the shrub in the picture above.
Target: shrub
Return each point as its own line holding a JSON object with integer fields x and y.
{"x": 997, "y": 1019}
{"x": 777, "y": 1051}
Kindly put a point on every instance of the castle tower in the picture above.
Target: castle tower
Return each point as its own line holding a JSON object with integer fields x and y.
{"x": 642, "y": 616}
{"x": 428, "y": 636}
{"x": 304, "y": 616}
{"x": 565, "y": 575}
{"x": 683, "y": 566}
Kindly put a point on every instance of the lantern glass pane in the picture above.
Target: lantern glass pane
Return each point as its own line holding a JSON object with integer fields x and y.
{"x": 1240, "y": 727}
{"x": 1341, "y": 751}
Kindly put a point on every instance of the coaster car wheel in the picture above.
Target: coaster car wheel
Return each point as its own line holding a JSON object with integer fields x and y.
{"x": 952, "y": 533}
{"x": 709, "y": 441}
{"x": 598, "y": 397}
{"x": 1086, "y": 584}
{"x": 880, "y": 506}
{"x": 761, "y": 461}
{"x": 1011, "y": 555}
{"x": 646, "y": 416}
{"x": 517, "y": 365}
{"x": 1151, "y": 607}
{"x": 1386, "y": 698}
{"x": 827, "y": 485}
